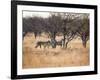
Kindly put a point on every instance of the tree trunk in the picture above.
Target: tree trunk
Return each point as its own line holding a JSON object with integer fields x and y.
{"x": 64, "y": 36}
{"x": 84, "y": 40}
{"x": 64, "y": 40}
{"x": 35, "y": 34}
{"x": 84, "y": 43}
{"x": 53, "y": 40}
{"x": 66, "y": 44}
{"x": 53, "y": 35}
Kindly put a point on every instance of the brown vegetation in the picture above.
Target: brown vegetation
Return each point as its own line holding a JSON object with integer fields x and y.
{"x": 74, "y": 55}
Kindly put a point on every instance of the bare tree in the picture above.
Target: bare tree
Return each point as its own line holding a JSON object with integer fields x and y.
{"x": 68, "y": 28}
{"x": 33, "y": 24}
{"x": 53, "y": 25}
{"x": 74, "y": 23}
{"x": 84, "y": 30}
{"x": 70, "y": 25}
{"x": 27, "y": 26}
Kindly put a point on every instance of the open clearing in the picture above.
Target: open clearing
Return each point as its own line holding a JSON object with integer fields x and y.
{"x": 74, "y": 55}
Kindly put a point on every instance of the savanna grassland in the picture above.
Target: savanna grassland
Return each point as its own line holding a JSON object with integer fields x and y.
{"x": 74, "y": 55}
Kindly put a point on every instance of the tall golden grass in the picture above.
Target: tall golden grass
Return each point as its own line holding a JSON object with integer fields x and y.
{"x": 74, "y": 55}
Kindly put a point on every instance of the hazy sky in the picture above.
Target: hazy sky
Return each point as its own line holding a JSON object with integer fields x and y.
{"x": 32, "y": 13}
{"x": 47, "y": 14}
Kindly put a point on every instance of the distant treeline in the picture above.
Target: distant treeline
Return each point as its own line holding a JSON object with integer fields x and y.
{"x": 70, "y": 25}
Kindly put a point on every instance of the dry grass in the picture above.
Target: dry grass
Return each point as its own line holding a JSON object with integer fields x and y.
{"x": 74, "y": 55}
